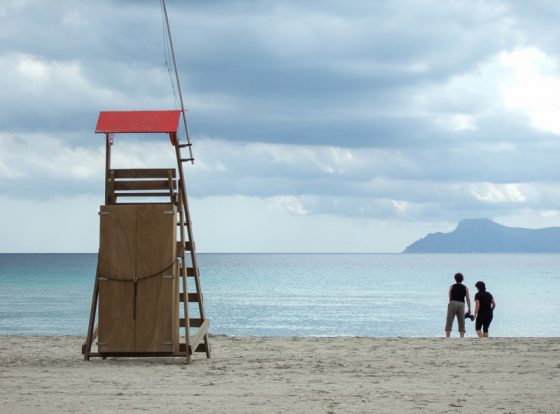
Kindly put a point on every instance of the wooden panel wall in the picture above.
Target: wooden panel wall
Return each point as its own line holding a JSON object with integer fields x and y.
{"x": 157, "y": 296}
{"x": 138, "y": 240}
{"x": 117, "y": 259}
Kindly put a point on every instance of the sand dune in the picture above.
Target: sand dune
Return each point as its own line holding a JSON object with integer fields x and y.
{"x": 264, "y": 375}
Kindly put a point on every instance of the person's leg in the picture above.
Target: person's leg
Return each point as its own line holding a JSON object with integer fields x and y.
{"x": 478, "y": 326}
{"x": 449, "y": 320}
{"x": 486, "y": 326}
{"x": 461, "y": 318}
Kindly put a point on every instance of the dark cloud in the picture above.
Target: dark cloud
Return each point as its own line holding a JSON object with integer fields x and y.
{"x": 289, "y": 72}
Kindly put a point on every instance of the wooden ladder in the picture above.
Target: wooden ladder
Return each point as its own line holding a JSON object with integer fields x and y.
{"x": 199, "y": 341}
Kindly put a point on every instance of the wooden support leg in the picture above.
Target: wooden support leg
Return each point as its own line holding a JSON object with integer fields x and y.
{"x": 186, "y": 313}
{"x": 89, "y": 339}
{"x": 207, "y": 344}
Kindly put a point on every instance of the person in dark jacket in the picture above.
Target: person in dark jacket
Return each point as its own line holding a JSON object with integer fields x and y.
{"x": 484, "y": 309}
{"x": 456, "y": 307}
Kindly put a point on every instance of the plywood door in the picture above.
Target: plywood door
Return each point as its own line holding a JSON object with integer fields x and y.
{"x": 157, "y": 295}
{"x": 117, "y": 260}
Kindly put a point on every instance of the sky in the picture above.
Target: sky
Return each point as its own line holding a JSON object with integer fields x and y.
{"x": 355, "y": 126}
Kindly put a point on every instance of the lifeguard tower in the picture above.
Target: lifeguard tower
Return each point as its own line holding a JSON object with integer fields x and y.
{"x": 147, "y": 265}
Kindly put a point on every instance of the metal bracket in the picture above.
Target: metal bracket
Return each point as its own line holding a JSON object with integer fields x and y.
{"x": 102, "y": 343}
{"x": 168, "y": 277}
{"x": 102, "y": 278}
{"x": 168, "y": 213}
{"x": 111, "y": 138}
{"x": 103, "y": 213}
{"x": 167, "y": 343}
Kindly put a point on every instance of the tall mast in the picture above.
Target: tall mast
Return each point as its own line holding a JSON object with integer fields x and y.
{"x": 177, "y": 79}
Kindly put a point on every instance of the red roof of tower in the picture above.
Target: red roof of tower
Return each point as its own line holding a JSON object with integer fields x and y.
{"x": 138, "y": 121}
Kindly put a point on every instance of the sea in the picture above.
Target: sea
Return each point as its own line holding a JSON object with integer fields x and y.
{"x": 376, "y": 295}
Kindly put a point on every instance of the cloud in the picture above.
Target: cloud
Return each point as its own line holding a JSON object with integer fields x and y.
{"x": 62, "y": 95}
{"x": 282, "y": 231}
{"x": 306, "y": 115}
{"x": 57, "y": 224}
{"x": 411, "y": 184}
{"x": 492, "y": 193}
{"x": 337, "y": 75}
{"x": 533, "y": 88}
{"x": 291, "y": 204}
{"x": 523, "y": 82}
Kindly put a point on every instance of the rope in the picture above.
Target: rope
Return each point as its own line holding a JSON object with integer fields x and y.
{"x": 166, "y": 55}
{"x": 137, "y": 279}
{"x": 178, "y": 83}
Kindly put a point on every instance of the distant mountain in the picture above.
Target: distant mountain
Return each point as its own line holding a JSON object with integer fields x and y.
{"x": 486, "y": 236}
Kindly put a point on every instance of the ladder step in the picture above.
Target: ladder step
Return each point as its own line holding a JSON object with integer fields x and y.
{"x": 191, "y": 272}
{"x": 142, "y": 173}
{"x": 153, "y": 194}
{"x": 187, "y": 159}
{"x": 185, "y": 145}
{"x": 144, "y": 185}
{"x": 193, "y": 297}
{"x": 194, "y": 322}
{"x": 180, "y": 250}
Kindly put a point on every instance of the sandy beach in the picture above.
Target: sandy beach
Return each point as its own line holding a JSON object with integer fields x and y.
{"x": 264, "y": 375}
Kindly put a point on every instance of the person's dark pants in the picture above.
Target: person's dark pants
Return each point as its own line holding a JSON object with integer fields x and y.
{"x": 483, "y": 322}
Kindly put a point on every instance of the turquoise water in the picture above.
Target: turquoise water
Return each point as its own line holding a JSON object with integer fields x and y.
{"x": 302, "y": 294}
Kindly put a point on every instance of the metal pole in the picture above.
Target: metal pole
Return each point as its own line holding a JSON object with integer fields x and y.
{"x": 177, "y": 78}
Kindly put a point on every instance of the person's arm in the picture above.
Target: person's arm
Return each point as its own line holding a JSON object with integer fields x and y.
{"x": 468, "y": 300}
{"x": 476, "y": 308}
{"x": 449, "y": 293}
{"x": 493, "y": 304}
